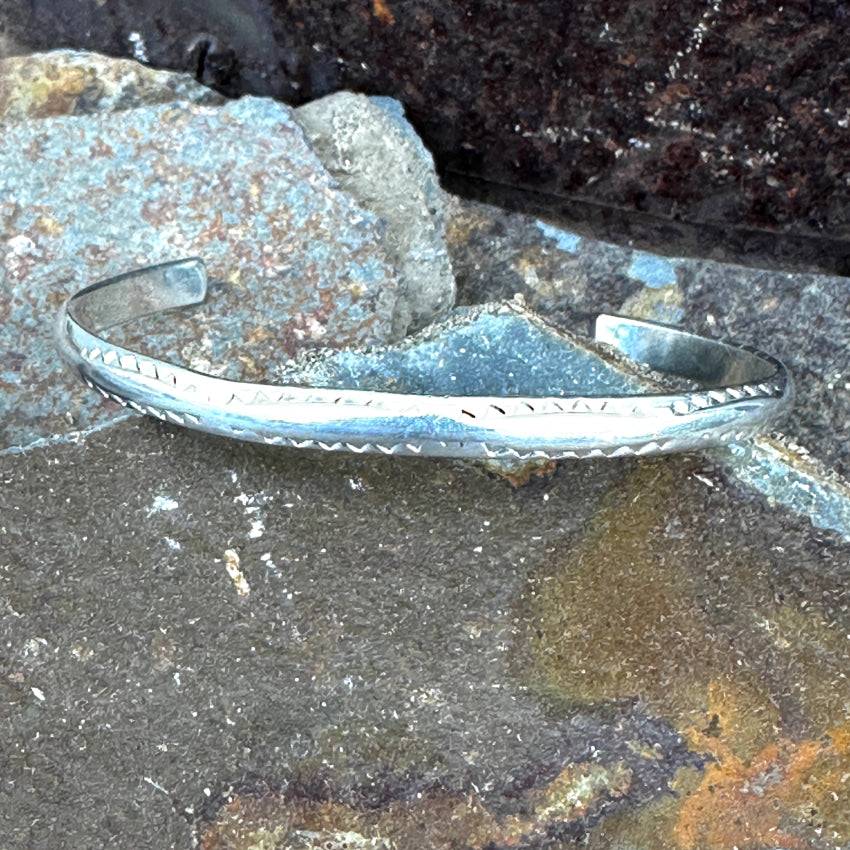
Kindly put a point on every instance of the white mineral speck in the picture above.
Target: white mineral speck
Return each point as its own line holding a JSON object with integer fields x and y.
{"x": 231, "y": 564}
{"x": 140, "y": 50}
{"x": 20, "y": 244}
{"x": 164, "y": 503}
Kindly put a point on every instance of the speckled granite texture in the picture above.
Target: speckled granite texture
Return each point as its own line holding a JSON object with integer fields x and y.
{"x": 83, "y": 199}
{"x": 186, "y": 620}
{"x": 369, "y": 147}
{"x": 79, "y": 83}
{"x": 800, "y": 318}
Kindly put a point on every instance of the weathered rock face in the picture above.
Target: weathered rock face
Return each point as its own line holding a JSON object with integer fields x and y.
{"x": 107, "y": 166}
{"x": 253, "y": 325}
{"x": 721, "y": 115}
{"x": 236, "y": 184}
{"x": 559, "y": 273}
{"x": 79, "y": 83}
{"x": 374, "y": 153}
{"x": 186, "y": 620}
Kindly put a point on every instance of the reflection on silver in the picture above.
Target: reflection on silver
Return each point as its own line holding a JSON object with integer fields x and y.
{"x": 742, "y": 391}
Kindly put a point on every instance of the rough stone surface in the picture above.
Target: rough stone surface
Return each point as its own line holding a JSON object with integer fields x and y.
{"x": 495, "y": 349}
{"x": 729, "y": 117}
{"x": 561, "y": 274}
{"x": 377, "y": 157}
{"x": 205, "y": 615}
{"x": 82, "y": 197}
{"x": 565, "y": 276}
{"x": 67, "y": 82}
{"x": 187, "y": 619}
{"x": 205, "y": 643}
{"x": 498, "y": 254}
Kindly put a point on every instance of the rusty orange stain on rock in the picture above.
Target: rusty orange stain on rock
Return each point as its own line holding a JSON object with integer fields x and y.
{"x": 764, "y": 801}
{"x": 215, "y": 230}
{"x": 382, "y": 12}
{"x": 745, "y": 805}
{"x": 769, "y": 779}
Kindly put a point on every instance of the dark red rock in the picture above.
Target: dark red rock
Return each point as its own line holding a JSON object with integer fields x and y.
{"x": 727, "y": 116}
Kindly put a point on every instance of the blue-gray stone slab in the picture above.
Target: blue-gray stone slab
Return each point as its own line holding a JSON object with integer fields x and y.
{"x": 70, "y": 82}
{"x": 497, "y": 349}
{"x": 801, "y": 318}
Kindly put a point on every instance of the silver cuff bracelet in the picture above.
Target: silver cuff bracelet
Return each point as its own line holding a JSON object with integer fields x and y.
{"x": 742, "y": 391}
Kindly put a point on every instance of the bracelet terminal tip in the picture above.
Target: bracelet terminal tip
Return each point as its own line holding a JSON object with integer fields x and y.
{"x": 179, "y": 283}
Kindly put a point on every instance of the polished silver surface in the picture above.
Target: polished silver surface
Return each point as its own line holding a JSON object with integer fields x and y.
{"x": 742, "y": 391}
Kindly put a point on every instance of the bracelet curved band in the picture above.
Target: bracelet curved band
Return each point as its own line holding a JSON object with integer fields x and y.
{"x": 744, "y": 391}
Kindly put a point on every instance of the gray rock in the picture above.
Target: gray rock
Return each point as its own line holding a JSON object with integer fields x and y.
{"x": 83, "y": 197}
{"x": 561, "y": 274}
{"x": 185, "y": 617}
{"x": 187, "y": 620}
{"x": 494, "y": 349}
{"x": 182, "y": 613}
{"x": 377, "y": 157}
{"x": 800, "y": 318}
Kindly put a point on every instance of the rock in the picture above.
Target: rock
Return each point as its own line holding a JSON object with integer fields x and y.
{"x": 413, "y": 627}
{"x": 707, "y": 125}
{"x": 85, "y": 196}
{"x": 434, "y": 820}
{"x": 566, "y": 276}
{"x": 67, "y": 82}
{"x": 201, "y": 636}
{"x": 371, "y": 660}
{"x": 494, "y": 349}
{"x": 378, "y": 158}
